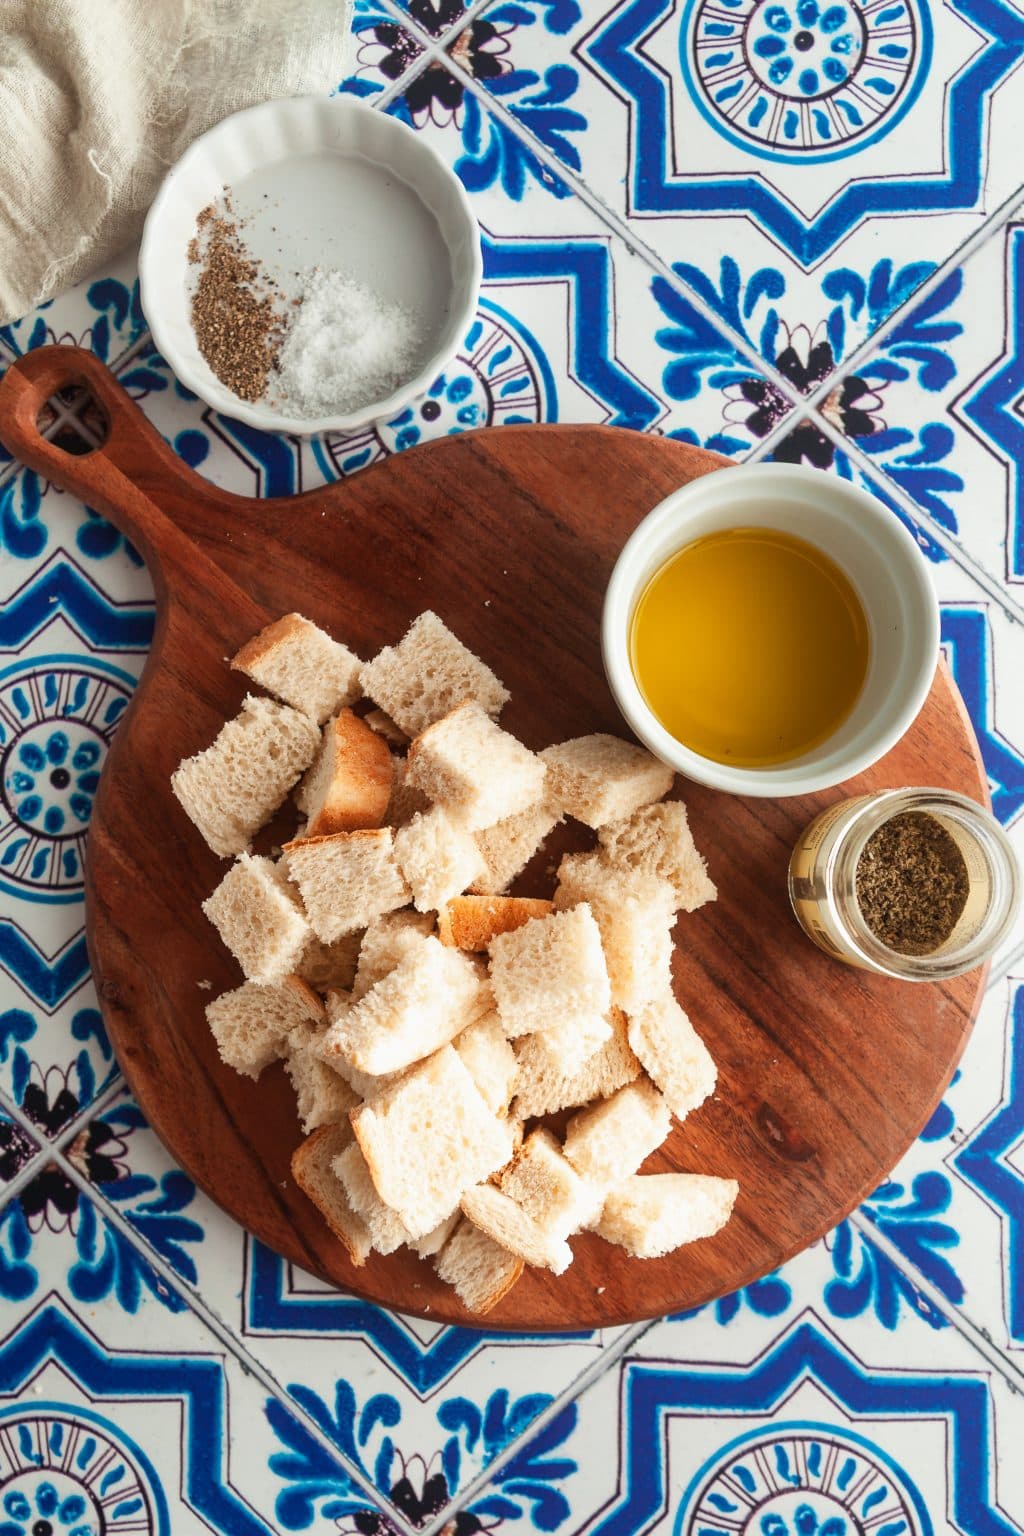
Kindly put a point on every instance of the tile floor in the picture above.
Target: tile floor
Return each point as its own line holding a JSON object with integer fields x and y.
{"x": 792, "y": 228}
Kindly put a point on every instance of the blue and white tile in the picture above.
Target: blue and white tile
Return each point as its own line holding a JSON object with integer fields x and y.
{"x": 392, "y": 1392}
{"x": 815, "y": 1418}
{"x": 616, "y": 99}
{"x": 119, "y": 1409}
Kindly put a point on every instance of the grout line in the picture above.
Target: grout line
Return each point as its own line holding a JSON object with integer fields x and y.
{"x": 951, "y": 545}
{"x": 195, "y": 1303}
{"x": 976, "y": 1336}
{"x": 576, "y": 1388}
{"x": 963, "y": 253}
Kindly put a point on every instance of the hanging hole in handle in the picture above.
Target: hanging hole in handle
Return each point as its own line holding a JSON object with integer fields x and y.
{"x": 74, "y": 420}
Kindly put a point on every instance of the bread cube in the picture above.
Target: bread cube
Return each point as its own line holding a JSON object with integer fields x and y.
{"x": 313, "y": 1172}
{"x": 322, "y": 1097}
{"x": 479, "y": 1269}
{"x": 652, "y": 1214}
{"x": 508, "y": 1224}
{"x": 609, "y": 1141}
{"x": 429, "y": 1139}
{"x": 427, "y": 674}
{"x": 438, "y": 858}
{"x": 252, "y": 1024}
{"x": 233, "y": 788}
{"x": 636, "y": 923}
{"x": 475, "y": 770}
{"x": 510, "y": 844}
{"x": 673, "y": 1054}
{"x": 430, "y": 996}
{"x": 601, "y": 778}
{"x": 260, "y": 918}
{"x": 349, "y": 785}
{"x": 302, "y": 665}
{"x": 544, "y": 1084}
{"x": 471, "y": 922}
{"x": 386, "y": 943}
{"x": 544, "y": 1183}
{"x": 656, "y": 841}
{"x": 491, "y": 1061}
{"x": 346, "y": 879}
{"x": 550, "y": 971}
{"x": 387, "y": 1230}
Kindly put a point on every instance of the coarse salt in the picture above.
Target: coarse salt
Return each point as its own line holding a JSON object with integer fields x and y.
{"x": 347, "y": 347}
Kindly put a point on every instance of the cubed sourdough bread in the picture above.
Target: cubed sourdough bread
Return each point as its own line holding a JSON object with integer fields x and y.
{"x": 509, "y": 845}
{"x": 427, "y": 674}
{"x": 302, "y": 665}
{"x": 406, "y": 801}
{"x": 330, "y": 965}
{"x": 609, "y": 1141}
{"x": 544, "y": 1183}
{"x": 252, "y": 1024}
{"x": 321, "y": 1096}
{"x": 491, "y": 1061}
{"x": 349, "y": 785}
{"x": 507, "y": 1223}
{"x": 387, "y": 1230}
{"x": 346, "y": 879}
{"x": 549, "y": 971}
{"x": 233, "y": 788}
{"x": 656, "y": 840}
{"x": 471, "y": 922}
{"x": 429, "y": 1139}
{"x": 475, "y": 770}
{"x": 650, "y": 1215}
{"x": 673, "y": 1054}
{"x": 636, "y": 929}
{"x": 600, "y": 778}
{"x": 313, "y": 1173}
{"x": 421, "y": 1005}
{"x": 260, "y": 918}
{"x": 543, "y": 1086}
{"x": 386, "y": 943}
{"x": 479, "y": 1270}
{"x": 438, "y": 858}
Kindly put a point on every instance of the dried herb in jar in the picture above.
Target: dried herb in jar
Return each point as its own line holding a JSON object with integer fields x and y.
{"x": 912, "y": 883}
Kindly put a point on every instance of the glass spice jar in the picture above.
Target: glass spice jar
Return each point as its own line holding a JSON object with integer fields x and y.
{"x": 823, "y": 883}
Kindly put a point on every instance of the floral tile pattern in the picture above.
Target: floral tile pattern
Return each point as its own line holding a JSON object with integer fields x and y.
{"x": 780, "y": 228}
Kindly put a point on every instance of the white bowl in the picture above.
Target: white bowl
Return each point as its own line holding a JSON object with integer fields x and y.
{"x": 323, "y": 181}
{"x": 867, "y": 542}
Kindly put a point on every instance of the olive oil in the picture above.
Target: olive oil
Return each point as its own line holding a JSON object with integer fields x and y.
{"x": 750, "y": 646}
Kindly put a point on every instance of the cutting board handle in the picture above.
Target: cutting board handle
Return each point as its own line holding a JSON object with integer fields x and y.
{"x": 177, "y": 565}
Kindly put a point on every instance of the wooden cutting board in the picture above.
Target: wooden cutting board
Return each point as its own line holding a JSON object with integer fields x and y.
{"x": 826, "y": 1074}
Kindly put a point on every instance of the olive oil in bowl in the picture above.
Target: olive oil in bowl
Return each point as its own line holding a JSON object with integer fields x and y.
{"x": 750, "y": 646}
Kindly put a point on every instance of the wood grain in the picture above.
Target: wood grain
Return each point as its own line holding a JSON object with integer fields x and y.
{"x": 826, "y": 1074}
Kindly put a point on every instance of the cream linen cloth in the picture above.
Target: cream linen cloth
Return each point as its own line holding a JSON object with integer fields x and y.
{"x": 99, "y": 97}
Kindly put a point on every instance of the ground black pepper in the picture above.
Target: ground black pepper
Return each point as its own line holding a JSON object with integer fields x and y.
{"x": 238, "y": 328}
{"x": 912, "y": 883}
